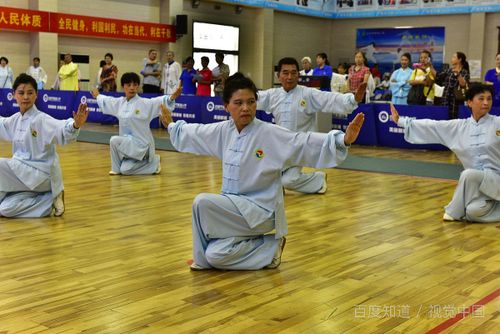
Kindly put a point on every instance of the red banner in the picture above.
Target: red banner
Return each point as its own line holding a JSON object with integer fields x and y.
{"x": 68, "y": 24}
{"x": 110, "y": 28}
{"x": 23, "y": 19}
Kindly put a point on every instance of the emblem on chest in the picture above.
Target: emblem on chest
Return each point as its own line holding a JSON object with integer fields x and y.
{"x": 259, "y": 154}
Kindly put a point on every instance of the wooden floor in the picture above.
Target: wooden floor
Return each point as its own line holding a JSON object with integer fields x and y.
{"x": 370, "y": 256}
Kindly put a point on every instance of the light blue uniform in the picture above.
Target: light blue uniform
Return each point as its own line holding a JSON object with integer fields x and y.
{"x": 477, "y": 146}
{"x": 133, "y": 150}
{"x": 297, "y": 111}
{"x": 401, "y": 87}
{"x": 228, "y": 229}
{"x": 32, "y": 178}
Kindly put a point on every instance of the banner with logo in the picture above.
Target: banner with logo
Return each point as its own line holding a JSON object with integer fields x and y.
{"x": 385, "y": 46}
{"x": 391, "y": 135}
{"x": 58, "y": 104}
{"x": 8, "y": 104}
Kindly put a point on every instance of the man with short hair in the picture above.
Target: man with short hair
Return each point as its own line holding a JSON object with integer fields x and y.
{"x": 295, "y": 107}
{"x": 219, "y": 74}
{"x": 68, "y": 74}
{"x": 171, "y": 73}
{"x": 38, "y": 73}
{"x": 151, "y": 73}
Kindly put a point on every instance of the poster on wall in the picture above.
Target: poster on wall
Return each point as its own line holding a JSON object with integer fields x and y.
{"x": 384, "y": 46}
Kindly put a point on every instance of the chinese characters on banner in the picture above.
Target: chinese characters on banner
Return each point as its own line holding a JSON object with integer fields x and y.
{"x": 89, "y": 26}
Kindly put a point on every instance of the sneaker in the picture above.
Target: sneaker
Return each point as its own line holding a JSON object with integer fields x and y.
{"x": 158, "y": 169}
{"x": 194, "y": 267}
{"x": 112, "y": 172}
{"x": 59, "y": 204}
{"x": 325, "y": 185}
{"x": 275, "y": 263}
{"x": 448, "y": 218}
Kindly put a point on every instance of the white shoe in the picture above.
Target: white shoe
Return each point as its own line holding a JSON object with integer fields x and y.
{"x": 112, "y": 172}
{"x": 195, "y": 267}
{"x": 59, "y": 204}
{"x": 158, "y": 169}
{"x": 275, "y": 263}
{"x": 325, "y": 185}
{"x": 448, "y": 218}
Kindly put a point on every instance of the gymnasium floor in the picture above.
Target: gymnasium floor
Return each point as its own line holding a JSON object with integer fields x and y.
{"x": 372, "y": 255}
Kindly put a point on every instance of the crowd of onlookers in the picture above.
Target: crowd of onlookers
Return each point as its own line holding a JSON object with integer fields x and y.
{"x": 415, "y": 83}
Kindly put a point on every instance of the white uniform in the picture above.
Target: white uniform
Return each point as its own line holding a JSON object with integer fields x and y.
{"x": 133, "y": 150}
{"x": 170, "y": 77}
{"x": 477, "y": 145}
{"x": 297, "y": 110}
{"x": 228, "y": 229}
{"x": 32, "y": 178}
{"x": 39, "y": 74}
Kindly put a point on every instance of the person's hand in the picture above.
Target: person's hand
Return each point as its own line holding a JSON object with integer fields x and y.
{"x": 353, "y": 129}
{"x": 176, "y": 94}
{"x": 81, "y": 115}
{"x": 360, "y": 93}
{"x": 461, "y": 81}
{"x": 95, "y": 93}
{"x": 394, "y": 114}
{"x": 165, "y": 116}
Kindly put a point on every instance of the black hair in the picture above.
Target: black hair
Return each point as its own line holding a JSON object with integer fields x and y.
{"x": 476, "y": 88}
{"x": 3, "y": 58}
{"x": 108, "y": 55}
{"x": 102, "y": 63}
{"x": 365, "y": 61}
{"x": 36, "y": 58}
{"x": 287, "y": 61}
{"x": 24, "y": 78}
{"x": 205, "y": 58}
{"x": 130, "y": 77}
{"x": 463, "y": 60}
{"x": 428, "y": 53}
{"x": 188, "y": 59}
{"x": 219, "y": 54}
{"x": 407, "y": 55}
{"x": 324, "y": 56}
{"x": 236, "y": 82}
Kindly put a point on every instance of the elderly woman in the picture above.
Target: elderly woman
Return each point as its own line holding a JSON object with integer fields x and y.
{"x": 476, "y": 142}
{"x": 31, "y": 182}
{"x": 231, "y": 230}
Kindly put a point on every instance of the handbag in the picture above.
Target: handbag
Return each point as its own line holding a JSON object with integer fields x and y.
{"x": 459, "y": 93}
{"x": 416, "y": 95}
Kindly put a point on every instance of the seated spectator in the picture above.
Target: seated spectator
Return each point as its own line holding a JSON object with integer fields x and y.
{"x": 306, "y": 67}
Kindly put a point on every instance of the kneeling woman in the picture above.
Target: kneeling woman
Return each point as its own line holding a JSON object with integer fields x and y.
{"x": 476, "y": 142}
{"x": 231, "y": 230}
{"x": 31, "y": 181}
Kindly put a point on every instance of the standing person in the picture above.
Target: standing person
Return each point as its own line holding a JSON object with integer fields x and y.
{"x": 98, "y": 78}
{"x": 6, "y": 73}
{"x": 133, "y": 150}
{"x": 323, "y": 69}
{"x": 108, "y": 74}
{"x": 219, "y": 74}
{"x": 231, "y": 230}
{"x": 399, "y": 81}
{"x": 424, "y": 75}
{"x": 204, "y": 79}
{"x": 492, "y": 77}
{"x": 339, "y": 80}
{"x": 475, "y": 141}
{"x": 187, "y": 79}
{"x": 68, "y": 74}
{"x": 307, "y": 69}
{"x": 151, "y": 73}
{"x": 457, "y": 76}
{"x": 295, "y": 107}
{"x": 359, "y": 73}
{"x": 31, "y": 183}
{"x": 171, "y": 73}
{"x": 37, "y": 73}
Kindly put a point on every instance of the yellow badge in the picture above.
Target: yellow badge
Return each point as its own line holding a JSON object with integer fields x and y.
{"x": 34, "y": 133}
{"x": 303, "y": 103}
{"x": 137, "y": 111}
{"x": 498, "y": 133}
{"x": 259, "y": 153}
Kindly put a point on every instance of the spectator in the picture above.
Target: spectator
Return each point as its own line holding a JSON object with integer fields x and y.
{"x": 204, "y": 78}
{"x": 98, "y": 78}
{"x": 399, "y": 81}
{"x": 339, "y": 80}
{"x": 108, "y": 74}
{"x": 187, "y": 78}
{"x": 492, "y": 77}
{"x": 6, "y": 74}
{"x": 68, "y": 74}
{"x": 306, "y": 67}
{"x": 220, "y": 74}
{"x": 37, "y": 73}
{"x": 423, "y": 77}
{"x": 324, "y": 69}
{"x": 456, "y": 81}
{"x": 359, "y": 73}
{"x": 171, "y": 73}
{"x": 376, "y": 74}
{"x": 151, "y": 73}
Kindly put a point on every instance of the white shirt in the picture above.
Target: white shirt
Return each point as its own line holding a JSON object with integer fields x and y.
{"x": 38, "y": 73}
{"x": 170, "y": 77}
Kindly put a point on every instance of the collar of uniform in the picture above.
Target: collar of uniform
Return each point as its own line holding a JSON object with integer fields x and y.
{"x": 135, "y": 98}
{"x": 29, "y": 113}
{"x": 482, "y": 120}
{"x": 247, "y": 129}
{"x": 291, "y": 91}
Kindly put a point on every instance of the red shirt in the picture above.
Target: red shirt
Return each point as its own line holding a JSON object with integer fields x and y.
{"x": 356, "y": 77}
{"x": 204, "y": 89}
